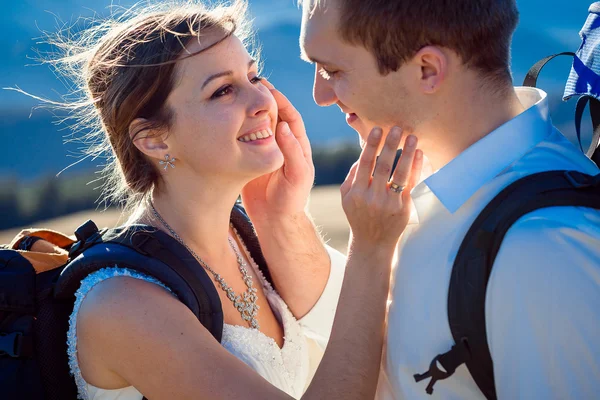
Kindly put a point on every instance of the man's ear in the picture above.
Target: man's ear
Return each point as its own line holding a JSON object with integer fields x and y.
{"x": 148, "y": 139}
{"x": 434, "y": 68}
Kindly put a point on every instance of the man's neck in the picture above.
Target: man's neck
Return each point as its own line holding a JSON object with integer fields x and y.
{"x": 466, "y": 120}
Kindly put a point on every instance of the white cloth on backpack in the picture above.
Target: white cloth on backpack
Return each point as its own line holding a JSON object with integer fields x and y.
{"x": 290, "y": 368}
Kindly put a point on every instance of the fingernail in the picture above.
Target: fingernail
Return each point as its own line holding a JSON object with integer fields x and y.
{"x": 411, "y": 140}
{"x": 396, "y": 133}
{"x": 285, "y": 128}
{"x": 267, "y": 83}
{"x": 376, "y": 133}
{"x": 419, "y": 154}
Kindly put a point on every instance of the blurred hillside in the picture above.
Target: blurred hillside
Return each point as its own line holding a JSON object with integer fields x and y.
{"x": 325, "y": 207}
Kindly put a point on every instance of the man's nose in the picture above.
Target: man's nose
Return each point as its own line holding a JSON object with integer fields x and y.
{"x": 323, "y": 93}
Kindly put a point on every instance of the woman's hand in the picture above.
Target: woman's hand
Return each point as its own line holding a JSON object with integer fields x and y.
{"x": 285, "y": 191}
{"x": 377, "y": 207}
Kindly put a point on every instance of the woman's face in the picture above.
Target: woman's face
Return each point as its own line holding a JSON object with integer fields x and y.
{"x": 224, "y": 118}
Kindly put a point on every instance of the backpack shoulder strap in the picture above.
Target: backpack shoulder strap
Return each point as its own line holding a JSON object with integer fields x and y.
{"x": 475, "y": 259}
{"x": 153, "y": 252}
{"x": 149, "y": 251}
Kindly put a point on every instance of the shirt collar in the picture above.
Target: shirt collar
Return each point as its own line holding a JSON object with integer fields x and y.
{"x": 457, "y": 181}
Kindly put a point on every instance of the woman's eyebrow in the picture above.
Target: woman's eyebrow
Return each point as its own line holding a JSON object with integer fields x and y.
{"x": 223, "y": 73}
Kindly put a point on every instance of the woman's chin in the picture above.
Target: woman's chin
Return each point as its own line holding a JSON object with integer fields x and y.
{"x": 267, "y": 164}
{"x": 275, "y": 163}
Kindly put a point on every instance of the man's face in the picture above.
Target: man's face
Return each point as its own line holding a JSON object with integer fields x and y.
{"x": 348, "y": 75}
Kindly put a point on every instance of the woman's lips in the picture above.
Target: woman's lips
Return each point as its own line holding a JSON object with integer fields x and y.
{"x": 262, "y": 142}
{"x": 350, "y": 118}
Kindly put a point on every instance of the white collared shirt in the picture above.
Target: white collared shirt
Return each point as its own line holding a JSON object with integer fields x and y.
{"x": 543, "y": 298}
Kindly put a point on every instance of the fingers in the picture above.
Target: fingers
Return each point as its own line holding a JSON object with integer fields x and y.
{"x": 294, "y": 161}
{"x": 347, "y": 185}
{"x": 405, "y": 164}
{"x": 268, "y": 84}
{"x": 415, "y": 175}
{"x": 383, "y": 168}
{"x": 288, "y": 113}
{"x": 366, "y": 162}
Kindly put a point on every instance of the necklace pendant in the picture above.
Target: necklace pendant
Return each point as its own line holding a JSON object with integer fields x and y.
{"x": 238, "y": 303}
{"x": 246, "y": 303}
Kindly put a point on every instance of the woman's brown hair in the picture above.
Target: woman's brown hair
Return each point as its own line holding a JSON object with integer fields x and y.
{"x": 123, "y": 68}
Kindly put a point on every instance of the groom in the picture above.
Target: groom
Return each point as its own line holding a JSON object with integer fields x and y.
{"x": 440, "y": 71}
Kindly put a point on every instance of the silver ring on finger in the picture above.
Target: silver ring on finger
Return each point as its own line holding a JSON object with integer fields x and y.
{"x": 394, "y": 187}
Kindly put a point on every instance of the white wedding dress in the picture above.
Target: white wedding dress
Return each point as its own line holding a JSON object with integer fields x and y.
{"x": 289, "y": 368}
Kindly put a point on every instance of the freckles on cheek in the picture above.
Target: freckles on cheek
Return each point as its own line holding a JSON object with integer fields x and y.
{"x": 219, "y": 126}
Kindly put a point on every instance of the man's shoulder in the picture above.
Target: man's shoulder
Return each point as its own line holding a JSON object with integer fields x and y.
{"x": 541, "y": 294}
{"x": 552, "y": 226}
{"x": 556, "y": 152}
{"x": 557, "y": 243}
{"x": 547, "y": 268}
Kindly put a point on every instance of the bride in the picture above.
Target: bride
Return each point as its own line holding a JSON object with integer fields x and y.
{"x": 190, "y": 125}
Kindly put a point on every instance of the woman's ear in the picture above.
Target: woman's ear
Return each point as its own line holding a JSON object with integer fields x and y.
{"x": 434, "y": 68}
{"x": 148, "y": 139}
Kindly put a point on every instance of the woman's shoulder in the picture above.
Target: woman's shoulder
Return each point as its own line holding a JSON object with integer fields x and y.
{"x": 113, "y": 291}
{"x": 115, "y": 276}
{"x": 111, "y": 305}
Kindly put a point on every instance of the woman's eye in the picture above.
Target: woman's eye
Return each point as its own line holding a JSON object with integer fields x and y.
{"x": 326, "y": 74}
{"x": 222, "y": 92}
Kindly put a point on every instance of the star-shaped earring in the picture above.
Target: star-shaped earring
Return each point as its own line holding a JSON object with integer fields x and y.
{"x": 168, "y": 162}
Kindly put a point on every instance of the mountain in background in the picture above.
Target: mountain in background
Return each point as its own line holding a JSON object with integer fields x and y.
{"x": 34, "y": 145}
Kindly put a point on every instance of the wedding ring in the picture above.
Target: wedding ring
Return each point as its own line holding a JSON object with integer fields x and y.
{"x": 394, "y": 187}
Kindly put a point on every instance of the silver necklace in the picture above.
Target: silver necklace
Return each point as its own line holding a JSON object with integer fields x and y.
{"x": 246, "y": 303}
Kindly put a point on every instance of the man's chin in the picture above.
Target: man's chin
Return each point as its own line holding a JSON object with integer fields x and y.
{"x": 363, "y": 133}
{"x": 358, "y": 124}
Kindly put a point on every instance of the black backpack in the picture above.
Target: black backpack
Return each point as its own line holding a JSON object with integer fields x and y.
{"x": 475, "y": 258}
{"x": 35, "y": 305}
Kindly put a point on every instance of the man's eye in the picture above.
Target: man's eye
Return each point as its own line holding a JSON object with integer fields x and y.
{"x": 224, "y": 91}
{"x": 327, "y": 74}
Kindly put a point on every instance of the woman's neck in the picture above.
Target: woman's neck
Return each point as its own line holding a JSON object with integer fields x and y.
{"x": 199, "y": 214}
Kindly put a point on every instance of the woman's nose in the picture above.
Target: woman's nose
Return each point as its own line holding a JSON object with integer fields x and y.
{"x": 261, "y": 100}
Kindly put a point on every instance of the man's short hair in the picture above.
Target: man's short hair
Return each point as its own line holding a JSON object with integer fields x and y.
{"x": 479, "y": 31}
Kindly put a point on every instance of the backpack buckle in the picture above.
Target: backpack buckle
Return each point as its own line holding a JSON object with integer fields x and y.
{"x": 449, "y": 361}
{"x": 145, "y": 243}
{"x": 434, "y": 372}
{"x": 10, "y": 344}
{"x": 87, "y": 234}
